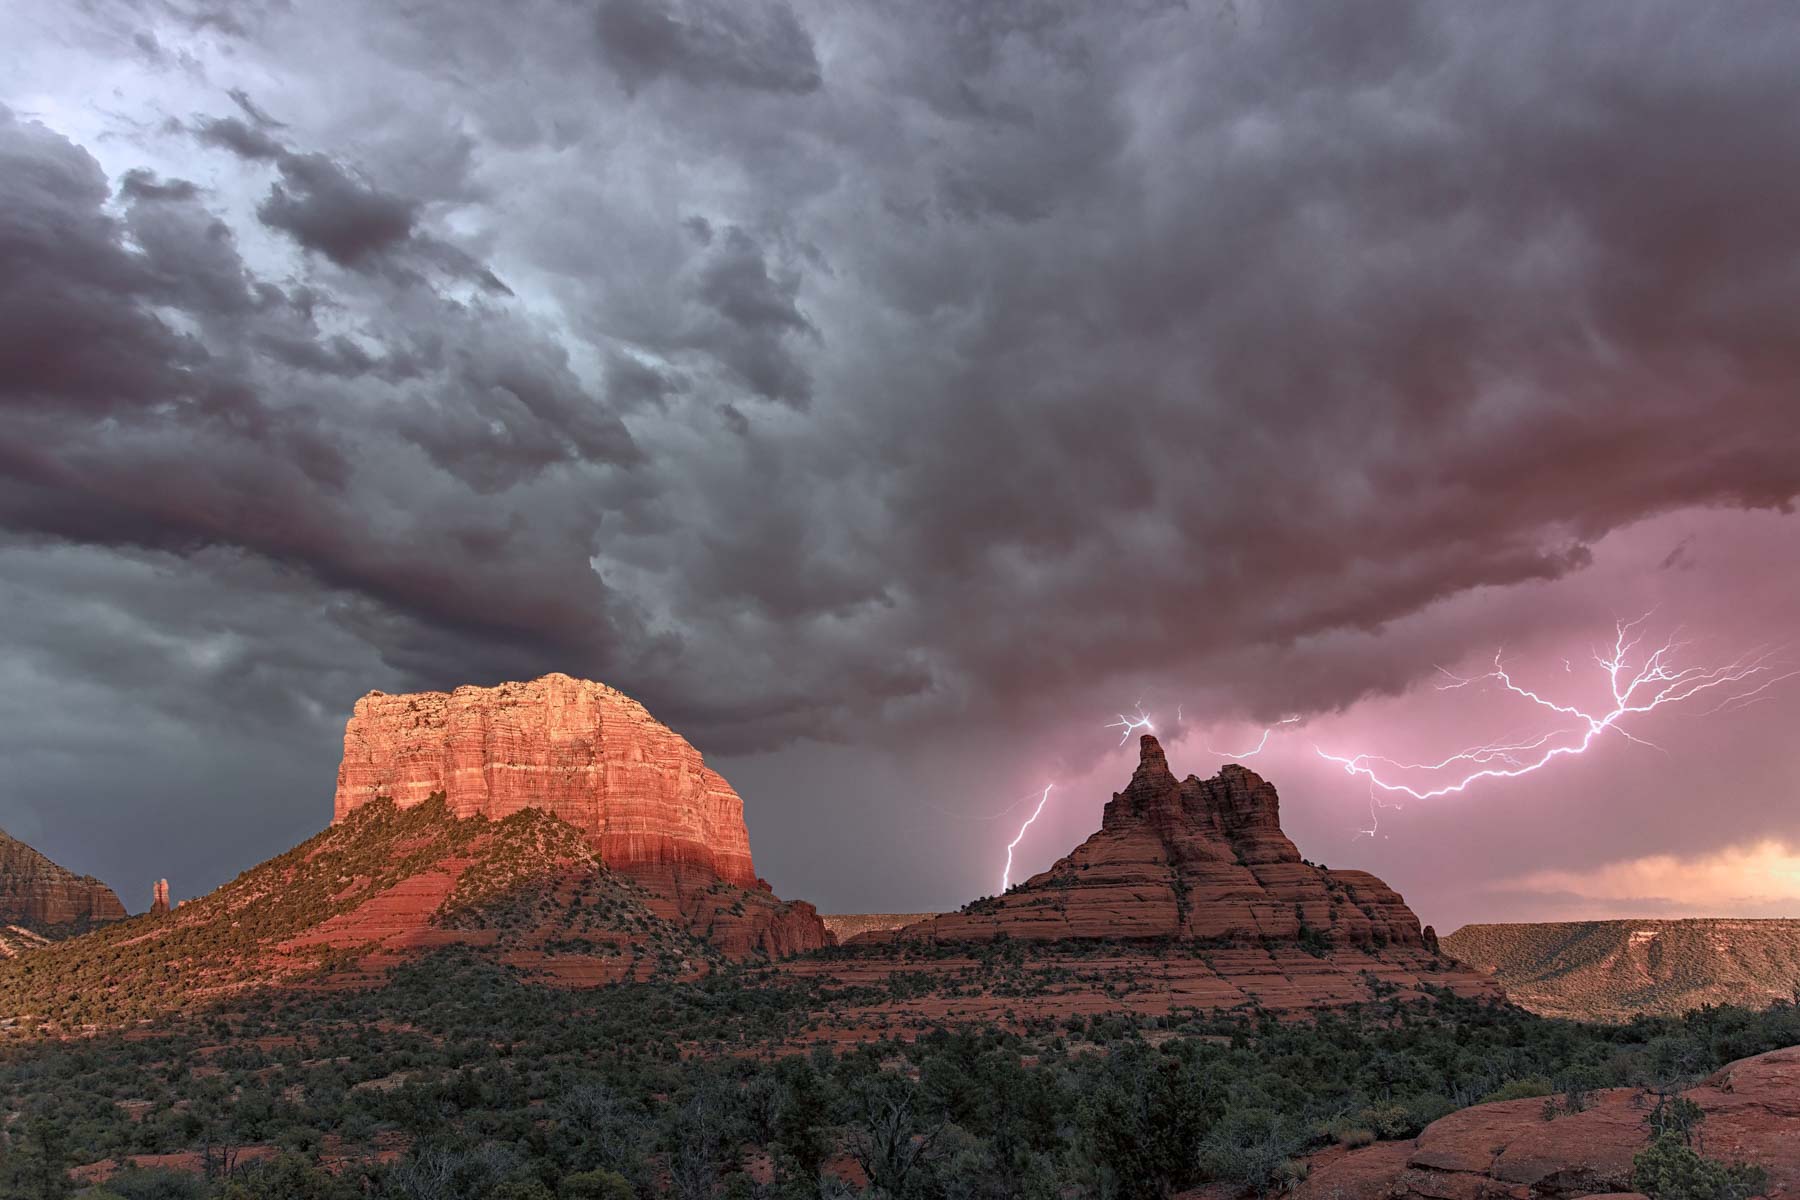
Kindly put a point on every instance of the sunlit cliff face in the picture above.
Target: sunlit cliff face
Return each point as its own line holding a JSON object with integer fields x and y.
{"x": 888, "y": 397}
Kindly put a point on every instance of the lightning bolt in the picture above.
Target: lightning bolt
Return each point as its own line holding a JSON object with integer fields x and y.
{"x": 1258, "y": 748}
{"x": 1006, "y": 875}
{"x": 1375, "y": 803}
{"x": 1655, "y": 681}
{"x": 1129, "y": 725}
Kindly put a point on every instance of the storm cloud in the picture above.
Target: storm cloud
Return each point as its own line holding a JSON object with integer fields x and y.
{"x": 838, "y": 377}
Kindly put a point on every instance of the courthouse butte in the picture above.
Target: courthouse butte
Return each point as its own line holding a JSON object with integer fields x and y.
{"x": 638, "y": 794}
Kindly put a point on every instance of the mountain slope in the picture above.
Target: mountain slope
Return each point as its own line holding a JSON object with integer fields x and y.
{"x": 1613, "y": 970}
{"x": 385, "y": 884}
{"x": 46, "y": 898}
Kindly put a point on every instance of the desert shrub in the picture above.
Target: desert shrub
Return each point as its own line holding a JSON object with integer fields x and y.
{"x": 1251, "y": 1148}
{"x": 1348, "y": 1132}
{"x": 135, "y": 1184}
{"x": 1527, "y": 1088}
{"x": 595, "y": 1185}
{"x": 289, "y": 1177}
{"x": 1670, "y": 1169}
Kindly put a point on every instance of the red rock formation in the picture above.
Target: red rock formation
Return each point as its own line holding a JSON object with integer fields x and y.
{"x": 639, "y": 794}
{"x": 1507, "y": 1151}
{"x": 1191, "y": 859}
{"x": 38, "y": 894}
{"x": 159, "y": 898}
{"x": 581, "y": 750}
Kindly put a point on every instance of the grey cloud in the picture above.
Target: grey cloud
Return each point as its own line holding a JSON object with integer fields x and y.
{"x": 753, "y": 318}
{"x": 327, "y": 210}
{"x": 758, "y": 45}
{"x": 140, "y": 184}
{"x": 242, "y": 139}
{"x": 330, "y": 209}
{"x": 75, "y": 341}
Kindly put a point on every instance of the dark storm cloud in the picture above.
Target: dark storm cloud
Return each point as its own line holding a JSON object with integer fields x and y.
{"x": 757, "y": 45}
{"x": 869, "y": 368}
{"x": 76, "y": 345}
{"x": 144, "y": 185}
{"x": 210, "y": 447}
{"x": 241, "y": 138}
{"x": 328, "y": 211}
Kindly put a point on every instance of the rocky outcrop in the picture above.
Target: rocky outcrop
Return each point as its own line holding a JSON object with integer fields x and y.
{"x": 580, "y": 750}
{"x": 1614, "y": 970}
{"x": 1192, "y": 859}
{"x": 1508, "y": 1151}
{"x": 159, "y": 899}
{"x": 41, "y": 896}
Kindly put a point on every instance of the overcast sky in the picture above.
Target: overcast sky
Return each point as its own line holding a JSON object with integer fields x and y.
{"x": 888, "y": 395}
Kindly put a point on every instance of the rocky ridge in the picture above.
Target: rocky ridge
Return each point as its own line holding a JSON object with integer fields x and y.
{"x": 387, "y": 884}
{"x": 48, "y": 899}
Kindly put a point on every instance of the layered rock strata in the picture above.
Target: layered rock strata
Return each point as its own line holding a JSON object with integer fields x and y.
{"x": 571, "y": 747}
{"x": 40, "y": 895}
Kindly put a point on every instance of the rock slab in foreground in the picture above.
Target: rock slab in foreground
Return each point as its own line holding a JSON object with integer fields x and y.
{"x": 1507, "y": 1151}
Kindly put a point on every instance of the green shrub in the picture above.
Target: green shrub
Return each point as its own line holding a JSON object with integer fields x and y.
{"x": 1251, "y": 1148}
{"x": 595, "y": 1185}
{"x": 1669, "y": 1169}
{"x": 1528, "y": 1088}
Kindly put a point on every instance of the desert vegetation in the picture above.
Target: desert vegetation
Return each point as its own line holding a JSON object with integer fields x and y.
{"x": 458, "y": 1078}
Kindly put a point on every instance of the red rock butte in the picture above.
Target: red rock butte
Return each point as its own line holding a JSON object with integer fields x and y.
{"x": 583, "y": 751}
{"x": 1192, "y": 859}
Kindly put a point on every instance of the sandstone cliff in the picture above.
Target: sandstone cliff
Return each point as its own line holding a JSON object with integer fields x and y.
{"x": 40, "y": 895}
{"x": 580, "y": 750}
{"x": 646, "y": 804}
{"x": 1190, "y": 859}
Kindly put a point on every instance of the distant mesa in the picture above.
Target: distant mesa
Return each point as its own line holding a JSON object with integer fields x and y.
{"x": 1614, "y": 970}
{"x": 46, "y": 899}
